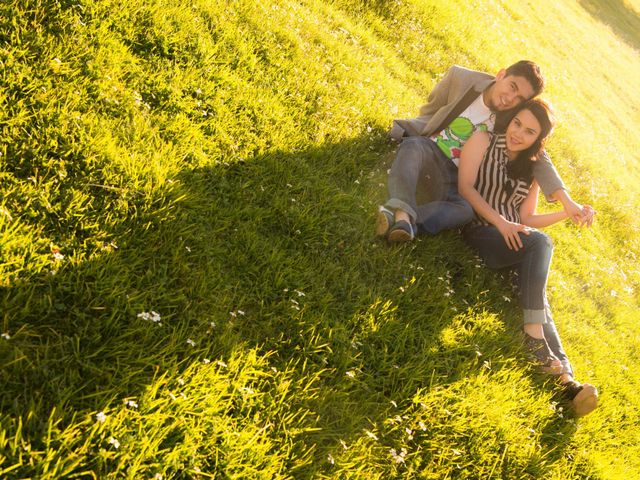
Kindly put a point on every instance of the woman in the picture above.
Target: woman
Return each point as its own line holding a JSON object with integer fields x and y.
{"x": 495, "y": 177}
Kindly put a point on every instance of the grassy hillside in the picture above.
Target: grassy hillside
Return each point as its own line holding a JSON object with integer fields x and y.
{"x": 189, "y": 283}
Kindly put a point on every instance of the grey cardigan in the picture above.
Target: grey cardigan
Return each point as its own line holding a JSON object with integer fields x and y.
{"x": 448, "y": 99}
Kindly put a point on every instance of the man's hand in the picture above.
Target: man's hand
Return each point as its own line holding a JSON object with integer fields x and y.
{"x": 510, "y": 232}
{"x": 581, "y": 215}
{"x": 572, "y": 209}
{"x": 588, "y": 215}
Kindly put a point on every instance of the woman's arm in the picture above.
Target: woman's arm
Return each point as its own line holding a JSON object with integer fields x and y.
{"x": 528, "y": 211}
{"x": 470, "y": 160}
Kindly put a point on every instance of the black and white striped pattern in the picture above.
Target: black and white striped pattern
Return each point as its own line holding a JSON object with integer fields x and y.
{"x": 502, "y": 193}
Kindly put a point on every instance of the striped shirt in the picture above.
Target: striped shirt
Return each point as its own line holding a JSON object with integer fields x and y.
{"x": 503, "y": 193}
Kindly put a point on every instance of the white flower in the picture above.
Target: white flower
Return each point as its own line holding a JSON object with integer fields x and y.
{"x": 6, "y": 336}
{"x": 240, "y": 312}
{"x": 300, "y": 294}
{"x": 150, "y": 316}
{"x": 191, "y": 342}
{"x": 180, "y": 382}
{"x": 399, "y": 458}
{"x": 114, "y": 442}
{"x": 58, "y": 256}
{"x": 371, "y": 434}
{"x": 614, "y": 293}
{"x": 330, "y": 459}
{"x": 132, "y": 404}
{"x": 221, "y": 364}
{"x": 344, "y": 445}
{"x": 101, "y": 417}
{"x": 157, "y": 476}
{"x": 350, "y": 374}
{"x": 206, "y": 360}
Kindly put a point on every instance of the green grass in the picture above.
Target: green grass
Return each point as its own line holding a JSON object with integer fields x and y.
{"x": 220, "y": 163}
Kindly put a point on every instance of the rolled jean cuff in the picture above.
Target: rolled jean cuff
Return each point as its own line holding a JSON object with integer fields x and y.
{"x": 534, "y": 316}
{"x": 396, "y": 204}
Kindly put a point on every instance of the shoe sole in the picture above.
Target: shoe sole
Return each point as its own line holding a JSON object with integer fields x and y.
{"x": 586, "y": 401}
{"x": 382, "y": 224}
{"x": 400, "y": 236}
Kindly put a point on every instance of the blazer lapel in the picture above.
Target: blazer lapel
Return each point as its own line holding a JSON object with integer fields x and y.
{"x": 466, "y": 100}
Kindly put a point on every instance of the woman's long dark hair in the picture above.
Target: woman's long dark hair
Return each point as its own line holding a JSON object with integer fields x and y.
{"x": 522, "y": 166}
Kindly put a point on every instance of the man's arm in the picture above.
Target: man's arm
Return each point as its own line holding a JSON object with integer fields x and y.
{"x": 579, "y": 214}
{"x": 554, "y": 190}
{"x": 547, "y": 177}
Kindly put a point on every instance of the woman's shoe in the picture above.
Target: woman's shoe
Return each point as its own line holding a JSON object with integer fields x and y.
{"x": 401, "y": 232}
{"x": 583, "y": 397}
{"x": 384, "y": 221}
{"x": 540, "y": 353}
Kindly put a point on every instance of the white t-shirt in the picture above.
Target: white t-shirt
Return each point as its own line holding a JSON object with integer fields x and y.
{"x": 476, "y": 117}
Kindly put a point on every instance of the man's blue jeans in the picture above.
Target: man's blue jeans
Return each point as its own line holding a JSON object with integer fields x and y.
{"x": 532, "y": 263}
{"x": 424, "y": 183}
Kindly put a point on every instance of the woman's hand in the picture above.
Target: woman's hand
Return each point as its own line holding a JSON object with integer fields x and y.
{"x": 509, "y": 231}
{"x": 586, "y": 218}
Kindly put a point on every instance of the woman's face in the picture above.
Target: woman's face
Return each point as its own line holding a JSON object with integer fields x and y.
{"x": 523, "y": 131}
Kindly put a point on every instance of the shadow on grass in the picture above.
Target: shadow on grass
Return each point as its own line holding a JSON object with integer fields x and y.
{"x": 622, "y": 19}
{"x": 276, "y": 253}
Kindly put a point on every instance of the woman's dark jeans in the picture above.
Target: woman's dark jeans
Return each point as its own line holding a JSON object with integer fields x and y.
{"x": 532, "y": 263}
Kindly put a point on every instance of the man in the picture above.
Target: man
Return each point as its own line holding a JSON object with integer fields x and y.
{"x": 423, "y": 180}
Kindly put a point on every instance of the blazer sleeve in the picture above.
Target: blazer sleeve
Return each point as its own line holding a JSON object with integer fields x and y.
{"x": 439, "y": 96}
{"x": 547, "y": 176}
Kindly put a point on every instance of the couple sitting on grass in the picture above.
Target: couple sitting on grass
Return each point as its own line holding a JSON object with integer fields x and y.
{"x": 475, "y": 159}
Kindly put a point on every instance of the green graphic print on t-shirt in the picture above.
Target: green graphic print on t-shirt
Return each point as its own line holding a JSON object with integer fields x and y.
{"x": 452, "y": 139}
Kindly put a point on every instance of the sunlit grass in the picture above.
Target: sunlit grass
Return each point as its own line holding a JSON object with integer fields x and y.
{"x": 189, "y": 284}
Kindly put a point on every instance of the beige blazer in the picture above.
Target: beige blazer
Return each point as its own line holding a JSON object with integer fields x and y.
{"x": 458, "y": 84}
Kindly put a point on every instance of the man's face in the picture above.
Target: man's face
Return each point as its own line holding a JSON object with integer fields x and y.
{"x": 508, "y": 92}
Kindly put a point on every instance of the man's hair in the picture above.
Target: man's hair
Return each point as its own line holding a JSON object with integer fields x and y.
{"x": 531, "y": 72}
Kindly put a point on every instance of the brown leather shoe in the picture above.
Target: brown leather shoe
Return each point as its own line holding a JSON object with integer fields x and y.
{"x": 584, "y": 398}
